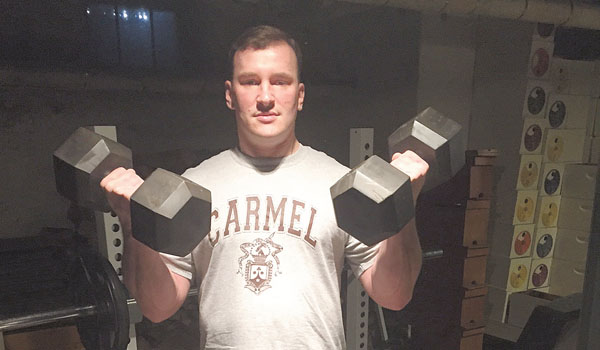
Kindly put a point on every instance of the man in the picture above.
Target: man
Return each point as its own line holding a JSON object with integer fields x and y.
{"x": 269, "y": 271}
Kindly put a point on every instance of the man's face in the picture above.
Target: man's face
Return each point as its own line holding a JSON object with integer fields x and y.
{"x": 266, "y": 95}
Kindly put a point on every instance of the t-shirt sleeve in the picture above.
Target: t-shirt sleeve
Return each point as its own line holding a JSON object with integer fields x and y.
{"x": 359, "y": 256}
{"x": 181, "y": 265}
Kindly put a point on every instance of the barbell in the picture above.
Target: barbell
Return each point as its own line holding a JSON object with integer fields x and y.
{"x": 100, "y": 307}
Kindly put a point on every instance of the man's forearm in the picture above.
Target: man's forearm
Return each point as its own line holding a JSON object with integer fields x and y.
{"x": 157, "y": 291}
{"x": 396, "y": 268}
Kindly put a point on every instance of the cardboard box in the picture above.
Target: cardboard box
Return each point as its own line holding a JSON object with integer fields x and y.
{"x": 552, "y": 178}
{"x": 575, "y": 213}
{"x": 572, "y": 245}
{"x": 521, "y": 306}
{"x": 545, "y": 242}
{"x": 539, "y": 275}
{"x": 533, "y": 136}
{"x": 508, "y": 274}
{"x": 540, "y": 58}
{"x": 515, "y": 241}
{"x": 525, "y": 207}
{"x": 548, "y": 212}
{"x": 565, "y": 145}
{"x": 536, "y": 98}
{"x": 566, "y": 277}
{"x": 575, "y": 77}
{"x": 571, "y": 112}
{"x": 496, "y": 305}
{"x": 503, "y": 330}
{"x": 529, "y": 172}
{"x": 579, "y": 180}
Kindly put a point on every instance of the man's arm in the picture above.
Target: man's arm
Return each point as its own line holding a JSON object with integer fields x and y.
{"x": 158, "y": 291}
{"x": 391, "y": 279}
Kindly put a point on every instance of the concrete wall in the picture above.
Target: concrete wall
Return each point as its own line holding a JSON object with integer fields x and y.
{"x": 474, "y": 71}
{"x": 500, "y": 78}
{"x": 446, "y": 61}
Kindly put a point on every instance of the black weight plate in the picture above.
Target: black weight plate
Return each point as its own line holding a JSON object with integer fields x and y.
{"x": 95, "y": 282}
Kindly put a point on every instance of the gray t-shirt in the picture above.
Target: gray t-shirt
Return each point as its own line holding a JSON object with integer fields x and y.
{"x": 269, "y": 271}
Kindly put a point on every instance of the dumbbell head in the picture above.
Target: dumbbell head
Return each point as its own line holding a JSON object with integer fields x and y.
{"x": 373, "y": 201}
{"x": 169, "y": 213}
{"x": 82, "y": 161}
{"x": 436, "y": 139}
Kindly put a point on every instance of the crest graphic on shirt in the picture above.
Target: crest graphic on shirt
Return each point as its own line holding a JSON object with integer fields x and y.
{"x": 257, "y": 263}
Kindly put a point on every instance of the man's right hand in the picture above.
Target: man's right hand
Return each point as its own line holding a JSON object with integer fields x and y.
{"x": 119, "y": 186}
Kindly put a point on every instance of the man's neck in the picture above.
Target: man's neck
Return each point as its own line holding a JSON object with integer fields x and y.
{"x": 270, "y": 151}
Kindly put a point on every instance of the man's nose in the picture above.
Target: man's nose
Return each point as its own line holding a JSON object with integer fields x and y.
{"x": 265, "y": 97}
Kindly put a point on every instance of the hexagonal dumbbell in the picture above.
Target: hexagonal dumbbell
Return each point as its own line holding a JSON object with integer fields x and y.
{"x": 169, "y": 213}
{"x": 436, "y": 139}
{"x": 82, "y": 161}
{"x": 374, "y": 200}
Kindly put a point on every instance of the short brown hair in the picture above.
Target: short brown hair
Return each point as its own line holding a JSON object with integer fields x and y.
{"x": 261, "y": 37}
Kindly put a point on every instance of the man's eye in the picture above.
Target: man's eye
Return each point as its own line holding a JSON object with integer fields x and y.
{"x": 281, "y": 82}
{"x": 250, "y": 82}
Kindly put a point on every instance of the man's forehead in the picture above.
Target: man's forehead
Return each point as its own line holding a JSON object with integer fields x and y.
{"x": 275, "y": 45}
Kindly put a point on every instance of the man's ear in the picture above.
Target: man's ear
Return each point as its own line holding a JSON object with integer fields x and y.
{"x": 228, "y": 95}
{"x": 300, "y": 96}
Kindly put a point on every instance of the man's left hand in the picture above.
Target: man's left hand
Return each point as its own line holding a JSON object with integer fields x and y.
{"x": 413, "y": 166}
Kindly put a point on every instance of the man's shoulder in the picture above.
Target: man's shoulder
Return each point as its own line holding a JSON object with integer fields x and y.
{"x": 322, "y": 156}
{"x": 216, "y": 161}
{"x": 323, "y": 161}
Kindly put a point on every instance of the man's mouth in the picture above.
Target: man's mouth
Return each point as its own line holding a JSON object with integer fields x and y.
{"x": 266, "y": 117}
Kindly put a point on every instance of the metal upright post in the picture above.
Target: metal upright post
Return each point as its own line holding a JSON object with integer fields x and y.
{"x": 357, "y": 300}
{"x": 110, "y": 243}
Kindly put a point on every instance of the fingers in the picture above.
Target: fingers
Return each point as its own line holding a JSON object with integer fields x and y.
{"x": 411, "y": 164}
{"x": 122, "y": 182}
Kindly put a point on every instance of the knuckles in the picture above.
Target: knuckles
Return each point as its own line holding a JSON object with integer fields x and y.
{"x": 410, "y": 162}
{"x": 120, "y": 181}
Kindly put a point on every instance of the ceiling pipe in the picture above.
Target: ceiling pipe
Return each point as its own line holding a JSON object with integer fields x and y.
{"x": 568, "y": 13}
